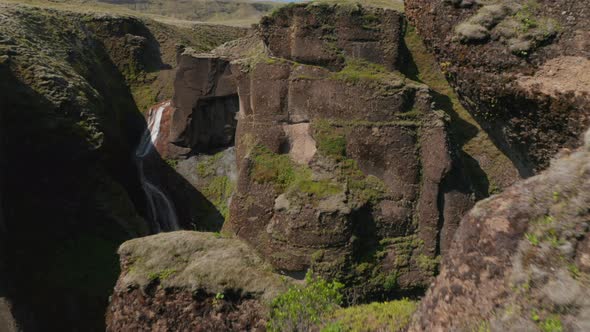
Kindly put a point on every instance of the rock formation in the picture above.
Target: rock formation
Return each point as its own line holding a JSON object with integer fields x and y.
{"x": 520, "y": 259}
{"x": 193, "y": 281}
{"x": 507, "y": 60}
{"x": 342, "y": 163}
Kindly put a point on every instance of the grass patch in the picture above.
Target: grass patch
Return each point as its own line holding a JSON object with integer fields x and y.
{"x": 357, "y": 70}
{"x": 206, "y": 168}
{"x": 387, "y": 316}
{"x": 286, "y": 176}
{"x": 330, "y": 143}
{"x": 302, "y": 308}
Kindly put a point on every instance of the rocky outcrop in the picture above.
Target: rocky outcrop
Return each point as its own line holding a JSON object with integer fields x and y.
{"x": 519, "y": 261}
{"x": 507, "y": 61}
{"x": 325, "y": 35}
{"x": 191, "y": 281}
{"x": 343, "y": 166}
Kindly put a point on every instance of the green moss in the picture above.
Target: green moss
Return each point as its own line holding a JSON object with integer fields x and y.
{"x": 218, "y": 191}
{"x": 330, "y": 143}
{"x": 269, "y": 167}
{"x": 363, "y": 189}
{"x": 428, "y": 264}
{"x": 551, "y": 324}
{"x": 206, "y": 167}
{"x": 171, "y": 162}
{"x": 286, "y": 176}
{"x": 387, "y": 316}
{"x": 357, "y": 70}
{"x": 391, "y": 281}
{"x": 161, "y": 275}
{"x": 319, "y": 188}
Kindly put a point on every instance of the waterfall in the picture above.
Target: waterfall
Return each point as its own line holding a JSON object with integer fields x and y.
{"x": 161, "y": 210}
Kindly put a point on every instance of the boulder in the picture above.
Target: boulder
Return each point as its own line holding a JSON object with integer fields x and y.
{"x": 520, "y": 259}
{"x": 191, "y": 281}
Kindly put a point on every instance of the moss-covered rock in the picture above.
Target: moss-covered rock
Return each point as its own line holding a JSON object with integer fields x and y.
{"x": 220, "y": 281}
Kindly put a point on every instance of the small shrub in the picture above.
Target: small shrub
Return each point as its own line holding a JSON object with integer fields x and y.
{"x": 303, "y": 307}
{"x": 532, "y": 238}
{"x": 551, "y": 324}
{"x": 390, "y": 282}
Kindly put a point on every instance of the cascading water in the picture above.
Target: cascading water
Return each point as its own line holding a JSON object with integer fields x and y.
{"x": 162, "y": 210}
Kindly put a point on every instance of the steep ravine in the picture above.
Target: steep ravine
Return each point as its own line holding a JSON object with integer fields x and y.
{"x": 70, "y": 86}
{"x": 345, "y": 163}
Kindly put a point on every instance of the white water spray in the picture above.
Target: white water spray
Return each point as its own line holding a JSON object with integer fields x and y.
{"x": 161, "y": 208}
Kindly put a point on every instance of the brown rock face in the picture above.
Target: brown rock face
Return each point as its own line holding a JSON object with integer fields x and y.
{"x": 519, "y": 261}
{"x": 508, "y": 62}
{"x": 206, "y": 103}
{"x": 322, "y": 34}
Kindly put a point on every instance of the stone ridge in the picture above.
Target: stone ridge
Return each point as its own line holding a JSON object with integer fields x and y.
{"x": 520, "y": 259}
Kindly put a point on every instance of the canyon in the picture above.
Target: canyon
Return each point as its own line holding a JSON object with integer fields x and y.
{"x": 356, "y": 141}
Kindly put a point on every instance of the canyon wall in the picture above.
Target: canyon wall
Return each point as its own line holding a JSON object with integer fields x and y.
{"x": 70, "y": 88}
{"x": 519, "y": 66}
{"x": 530, "y": 270}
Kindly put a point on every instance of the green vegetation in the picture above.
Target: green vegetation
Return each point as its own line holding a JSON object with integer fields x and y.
{"x": 358, "y": 70}
{"x": 206, "y": 167}
{"x": 218, "y": 191}
{"x": 390, "y": 4}
{"x": 387, "y": 316}
{"x": 551, "y": 324}
{"x": 532, "y": 238}
{"x": 161, "y": 275}
{"x": 171, "y": 162}
{"x": 303, "y": 307}
{"x": 277, "y": 169}
{"x": 427, "y": 263}
{"x": 329, "y": 142}
{"x": 286, "y": 176}
{"x": 362, "y": 188}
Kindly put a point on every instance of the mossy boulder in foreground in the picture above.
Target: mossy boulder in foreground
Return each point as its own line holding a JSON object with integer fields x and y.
{"x": 191, "y": 281}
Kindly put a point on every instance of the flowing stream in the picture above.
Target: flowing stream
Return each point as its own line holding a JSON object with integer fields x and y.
{"x": 162, "y": 210}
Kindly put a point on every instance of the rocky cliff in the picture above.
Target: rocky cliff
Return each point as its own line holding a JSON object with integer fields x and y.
{"x": 70, "y": 88}
{"x": 519, "y": 66}
{"x": 342, "y": 163}
{"x": 529, "y": 270}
